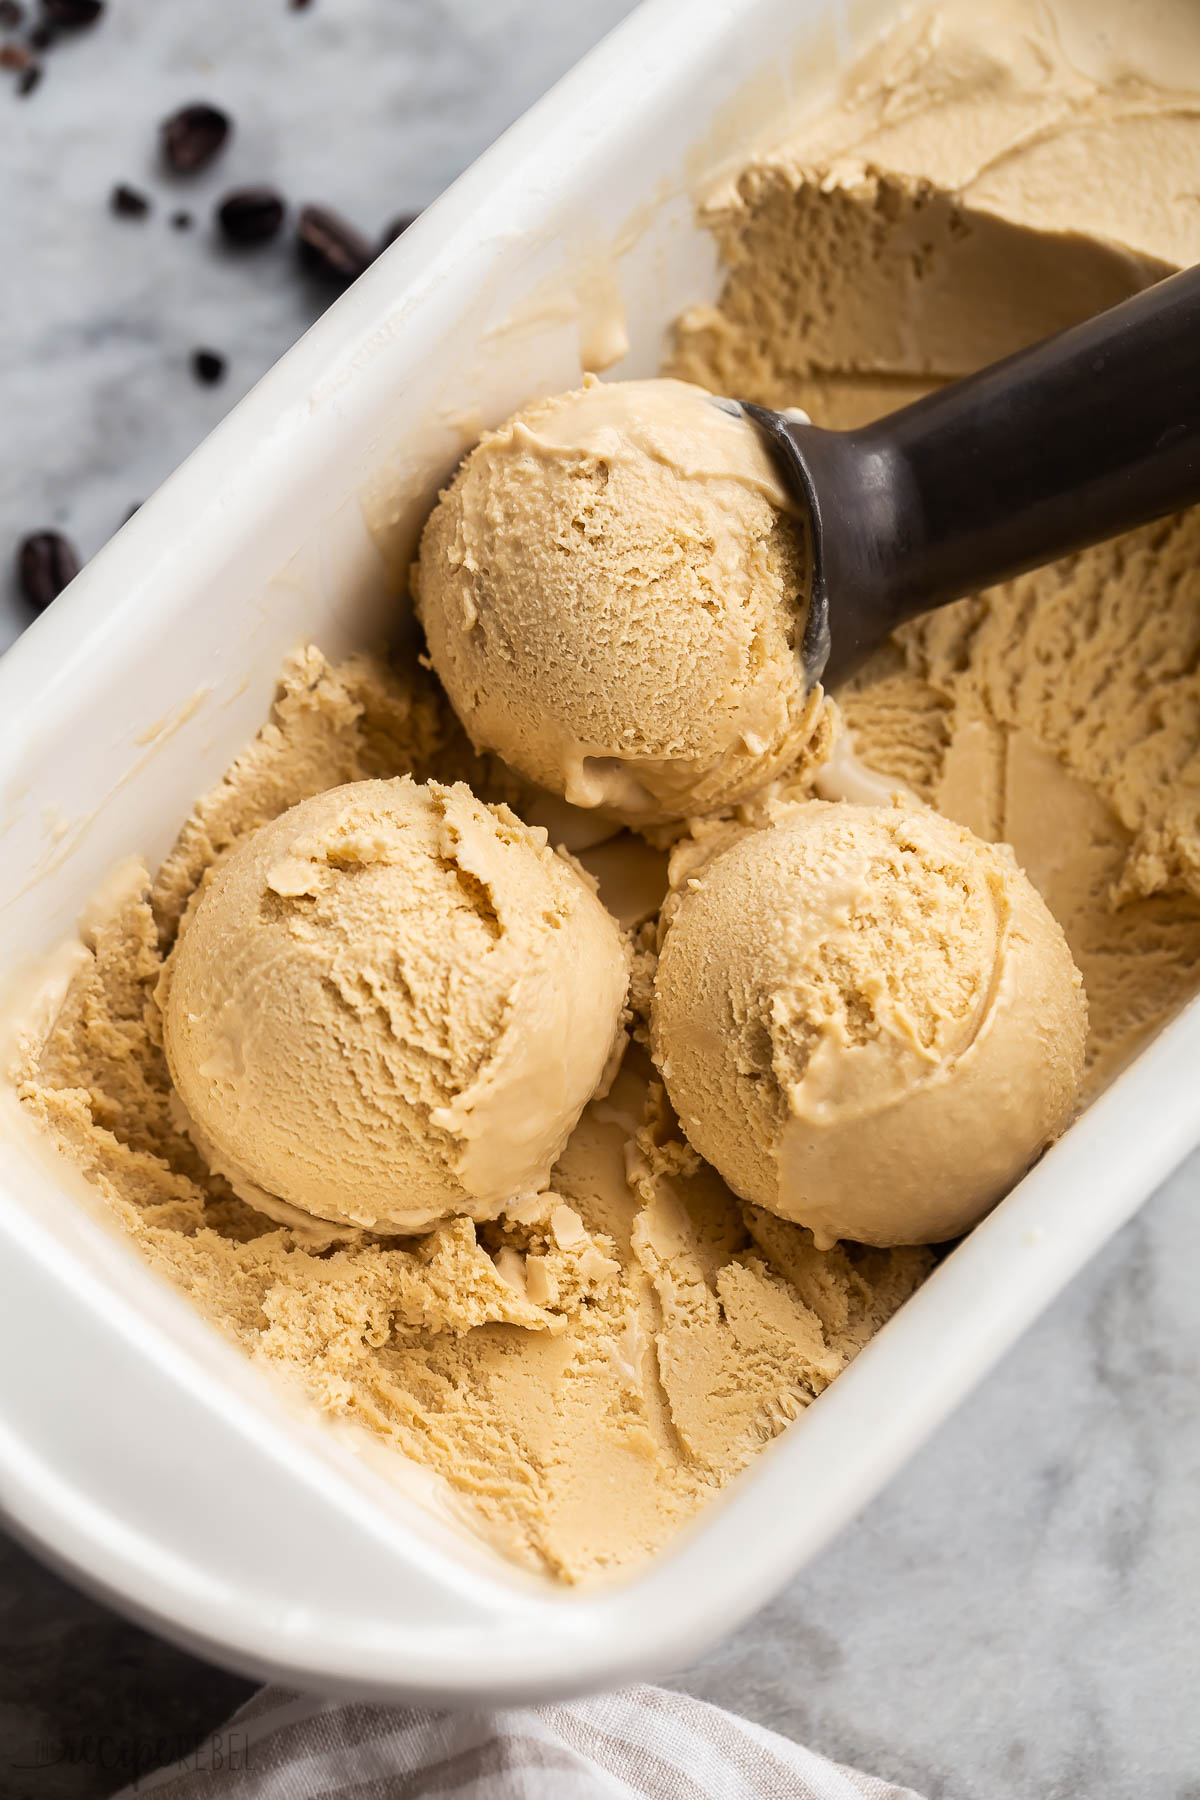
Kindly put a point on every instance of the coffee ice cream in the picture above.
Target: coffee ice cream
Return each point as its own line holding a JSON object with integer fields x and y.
{"x": 577, "y": 1375}
{"x": 866, "y": 1019}
{"x": 613, "y": 592}
{"x": 582, "y": 1373}
{"x": 390, "y": 1006}
{"x": 990, "y": 173}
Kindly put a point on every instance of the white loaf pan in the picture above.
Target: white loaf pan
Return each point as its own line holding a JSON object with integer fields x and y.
{"x": 138, "y": 1451}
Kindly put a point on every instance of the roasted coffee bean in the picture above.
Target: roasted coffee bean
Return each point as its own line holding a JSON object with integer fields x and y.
{"x": 192, "y": 136}
{"x": 71, "y": 14}
{"x": 46, "y": 561}
{"x": 250, "y": 215}
{"x": 42, "y": 36}
{"x": 330, "y": 247}
{"x": 208, "y": 367}
{"x": 128, "y": 203}
{"x": 11, "y": 15}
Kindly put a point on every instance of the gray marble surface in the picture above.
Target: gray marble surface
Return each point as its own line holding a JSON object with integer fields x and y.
{"x": 1019, "y": 1614}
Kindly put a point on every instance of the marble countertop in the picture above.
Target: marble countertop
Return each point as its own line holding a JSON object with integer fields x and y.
{"x": 1019, "y": 1613}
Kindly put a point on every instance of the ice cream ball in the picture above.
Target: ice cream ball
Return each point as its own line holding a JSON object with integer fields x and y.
{"x": 389, "y": 1006}
{"x": 867, "y": 1020}
{"x": 614, "y": 589}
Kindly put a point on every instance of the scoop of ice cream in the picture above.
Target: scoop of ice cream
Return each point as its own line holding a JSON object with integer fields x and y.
{"x": 867, "y": 1020}
{"x": 613, "y": 589}
{"x": 390, "y": 1005}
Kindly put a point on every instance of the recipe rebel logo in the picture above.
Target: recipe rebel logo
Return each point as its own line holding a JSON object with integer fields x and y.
{"x": 133, "y": 1760}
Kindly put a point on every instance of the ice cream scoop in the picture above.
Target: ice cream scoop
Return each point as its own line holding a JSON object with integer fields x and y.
{"x": 866, "y": 1018}
{"x": 631, "y": 602}
{"x": 1085, "y": 435}
{"x": 389, "y": 1006}
{"x": 613, "y": 590}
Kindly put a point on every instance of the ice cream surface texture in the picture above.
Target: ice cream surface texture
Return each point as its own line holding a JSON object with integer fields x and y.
{"x": 582, "y": 1373}
{"x": 866, "y": 1019}
{"x": 613, "y": 592}
{"x": 992, "y": 171}
{"x": 577, "y": 1376}
{"x": 390, "y": 1006}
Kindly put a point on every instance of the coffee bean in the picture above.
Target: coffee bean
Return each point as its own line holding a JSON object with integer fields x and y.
{"x": 250, "y": 215}
{"x": 192, "y": 136}
{"x": 27, "y": 81}
{"x": 330, "y": 247}
{"x": 181, "y": 221}
{"x": 14, "y": 56}
{"x": 46, "y": 561}
{"x": 396, "y": 229}
{"x": 71, "y": 14}
{"x": 42, "y": 36}
{"x": 128, "y": 203}
{"x": 11, "y": 15}
{"x": 208, "y": 367}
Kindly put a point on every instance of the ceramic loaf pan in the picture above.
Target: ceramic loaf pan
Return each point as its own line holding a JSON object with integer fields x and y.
{"x": 138, "y": 1451}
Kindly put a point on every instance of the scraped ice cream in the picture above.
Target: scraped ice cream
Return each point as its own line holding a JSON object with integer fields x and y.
{"x": 389, "y": 1007}
{"x": 613, "y": 589}
{"x": 866, "y": 1019}
{"x": 584, "y": 1371}
{"x": 992, "y": 173}
{"x": 554, "y": 1366}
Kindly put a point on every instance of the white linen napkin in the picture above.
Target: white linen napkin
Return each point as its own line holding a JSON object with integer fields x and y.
{"x": 639, "y": 1743}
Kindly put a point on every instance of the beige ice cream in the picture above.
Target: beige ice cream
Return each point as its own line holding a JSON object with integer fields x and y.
{"x": 992, "y": 172}
{"x": 390, "y": 1006}
{"x": 583, "y": 1374}
{"x": 866, "y": 1019}
{"x": 580, "y": 1374}
{"x": 613, "y": 591}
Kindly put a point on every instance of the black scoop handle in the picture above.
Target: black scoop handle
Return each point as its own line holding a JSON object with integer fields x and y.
{"x": 1085, "y": 435}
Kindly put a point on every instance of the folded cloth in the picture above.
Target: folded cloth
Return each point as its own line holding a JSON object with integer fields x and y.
{"x": 639, "y": 1743}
